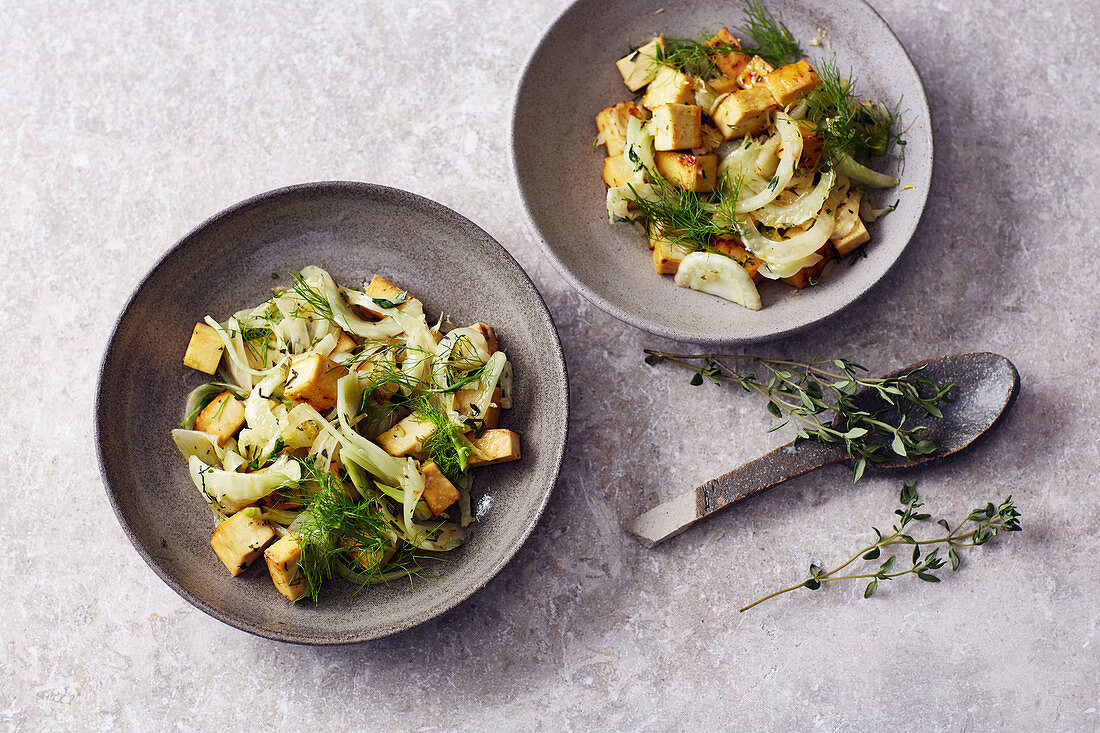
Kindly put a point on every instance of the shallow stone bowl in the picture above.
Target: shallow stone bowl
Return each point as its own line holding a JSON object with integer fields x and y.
{"x": 353, "y": 230}
{"x": 571, "y": 76}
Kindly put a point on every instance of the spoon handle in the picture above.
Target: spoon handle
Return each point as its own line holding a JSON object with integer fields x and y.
{"x": 675, "y": 515}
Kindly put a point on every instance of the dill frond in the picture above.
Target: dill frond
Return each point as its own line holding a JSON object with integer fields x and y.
{"x": 773, "y": 41}
{"x": 687, "y": 219}
{"x": 694, "y": 56}
{"x": 847, "y": 126}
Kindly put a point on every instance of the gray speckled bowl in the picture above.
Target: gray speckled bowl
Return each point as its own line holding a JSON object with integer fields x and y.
{"x": 571, "y": 76}
{"x": 353, "y": 230}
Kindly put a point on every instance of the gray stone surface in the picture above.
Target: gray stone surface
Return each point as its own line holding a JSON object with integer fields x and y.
{"x": 125, "y": 124}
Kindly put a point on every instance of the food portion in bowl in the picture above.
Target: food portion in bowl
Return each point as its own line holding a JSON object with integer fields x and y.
{"x": 741, "y": 161}
{"x": 339, "y": 434}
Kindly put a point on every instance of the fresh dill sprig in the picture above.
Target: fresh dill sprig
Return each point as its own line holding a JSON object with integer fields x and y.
{"x": 686, "y": 219}
{"x": 694, "y": 56}
{"x": 846, "y": 125}
{"x": 313, "y": 299}
{"x": 773, "y": 41}
{"x": 338, "y": 526}
{"x": 802, "y": 393}
{"x": 980, "y": 526}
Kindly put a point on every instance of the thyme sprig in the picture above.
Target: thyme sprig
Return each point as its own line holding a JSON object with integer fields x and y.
{"x": 979, "y": 526}
{"x": 804, "y": 393}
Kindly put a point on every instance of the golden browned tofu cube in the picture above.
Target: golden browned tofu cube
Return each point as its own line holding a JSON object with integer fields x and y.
{"x": 240, "y": 539}
{"x": 381, "y": 288}
{"x": 495, "y": 446}
{"x": 616, "y": 171}
{"x": 439, "y": 492}
{"x": 223, "y": 417}
{"x": 282, "y": 563}
{"x": 667, "y": 256}
{"x": 204, "y": 350}
{"x": 790, "y": 83}
{"x": 380, "y": 368}
{"x": 344, "y": 343}
{"x": 407, "y": 437}
{"x": 372, "y": 558}
{"x": 754, "y": 72}
{"x": 812, "y": 144}
{"x": 731, "y": 63}
{"x": 688, "y": 171}
{"x": 611, "y": 123}
{"x": 731, "y": 247}
{"x": 677, "y": 127}
{"x": 464, "y": 405}
{"x": 669, "y": 87}
{"x": 313, "y": 380}
{"x": 808, "y": 275}
{"x": 722, "y": 85}
{"x": 850, "y": 231}
{"x": 745, "y": 112}
{"x": 638, "y": 67}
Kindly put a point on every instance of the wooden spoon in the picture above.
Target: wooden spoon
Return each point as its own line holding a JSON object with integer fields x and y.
{"x": 986, "y": 385}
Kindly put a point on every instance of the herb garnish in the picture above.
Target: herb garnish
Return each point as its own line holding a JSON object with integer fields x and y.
{"x": 774, "y": 42}
{"x": 846, "y": 125}
{"x": 980, "y": 526}
{"x": 686, "y": 219}
{"x": 801, "y": 393}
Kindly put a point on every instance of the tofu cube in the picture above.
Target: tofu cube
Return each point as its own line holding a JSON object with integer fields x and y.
{"x": 380, "y": 287}
{"x": 638, "y": 67}
{"x": 407, "y": 437}
{"x": 611, "y": 123}
{"x": 790, "y": 83}
{"x": 669, "y": 87}
{"x": 808, "y": 275}
{"x": 688, "y": 171}
{"x": 345, "y": 343}
{"x": 667, "y": 256}
{"x": 731, "y": 247}
{"x": 731, "y": 63}
{"x": 240, "y": 539}
{"x": 282, "y": 563}
{"x": 204, "y": 350}
{"x": 677, "y": 127}
{"x": 754, "y": 72}
{"x": 377, "y": 367}
{"x": 313, "y": 380}
{"x": 495, "y": 446}
{"x": 439, "y": 492}
{"x": 812, "y": 144}
{"x": 722, "y": 85}
{"x": 745, "y": 112}
{"x": 616, "y": 171}
{"x": 464, "y": 405}
{"x": 850, "y": 231}
{"x": 223, "y": 417}
{"x": 371, "y": 560}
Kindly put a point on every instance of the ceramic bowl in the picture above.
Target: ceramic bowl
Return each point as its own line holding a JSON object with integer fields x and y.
{"x": 353, "y": 230}
{"x": 571, "y": 76}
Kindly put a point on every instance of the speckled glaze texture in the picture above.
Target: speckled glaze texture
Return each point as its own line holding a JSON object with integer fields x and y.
{"x": 127, "y": 123}
{"x": 353, "y": 231}
{"x": 572, "y": 72}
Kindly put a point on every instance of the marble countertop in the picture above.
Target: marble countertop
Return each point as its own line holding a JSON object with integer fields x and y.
{"x": 125, "y": 124}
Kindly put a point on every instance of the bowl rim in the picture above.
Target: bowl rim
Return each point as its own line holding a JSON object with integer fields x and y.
{"x": 356, "y": 187}
{"x": 645, "y": 324}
